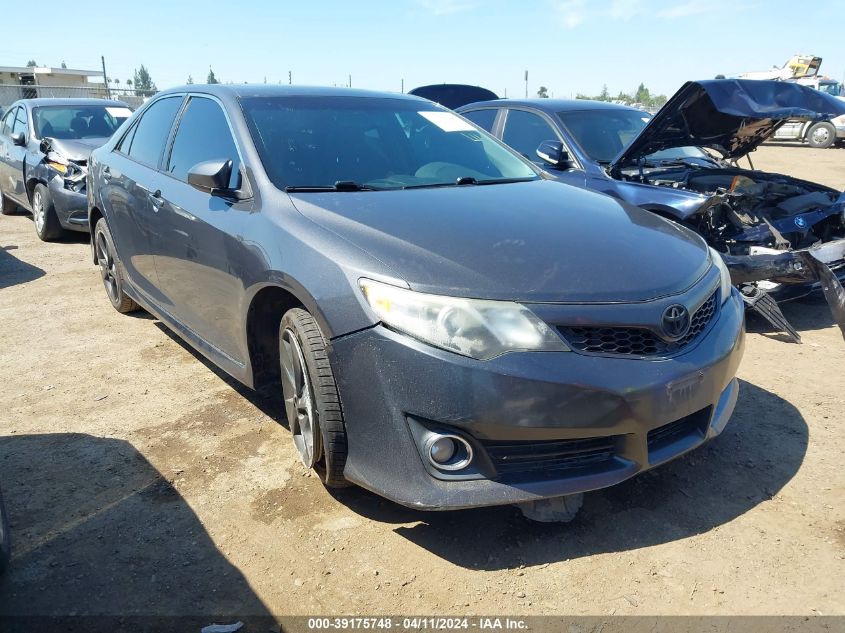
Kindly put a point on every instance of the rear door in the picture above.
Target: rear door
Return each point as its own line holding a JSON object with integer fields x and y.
{"x": 130, "y": 185}
{"x": 199, "y": 256}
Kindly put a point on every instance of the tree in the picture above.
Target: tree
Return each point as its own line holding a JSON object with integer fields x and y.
{"x": 129, "y": 82}
{"x": 642, "y": 95}
{"x": 63, "y": 64}
{"x": 190, "y": 80}
{"x": 543, "y": 92}
{"x": 144, "y": 85}
{"x": 31, "y": 63}
{"x": 605, "y": 95}
{"x": 211, "y": 78}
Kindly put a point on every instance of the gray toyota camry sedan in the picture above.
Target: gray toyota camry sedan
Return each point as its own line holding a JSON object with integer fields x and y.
{"x": 448, "y": 328}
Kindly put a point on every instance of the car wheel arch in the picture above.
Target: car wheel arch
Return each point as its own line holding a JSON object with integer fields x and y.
{"x": 267, "y": 304}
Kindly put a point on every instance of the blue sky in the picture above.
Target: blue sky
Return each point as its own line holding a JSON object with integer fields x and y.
{"x": 568, "y": 46}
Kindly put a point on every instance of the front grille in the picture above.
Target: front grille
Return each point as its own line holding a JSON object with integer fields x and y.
{"x": 637, "y": 341}
{"x": 693, "y": 424}
{"x": 550, "y": 459}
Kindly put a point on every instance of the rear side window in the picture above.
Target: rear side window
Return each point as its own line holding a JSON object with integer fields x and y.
{"x": 147, "y": 139}
{"x": 203, "y": 134}
{"x": 524, "y": 131}
{"x": 482, "y": 118}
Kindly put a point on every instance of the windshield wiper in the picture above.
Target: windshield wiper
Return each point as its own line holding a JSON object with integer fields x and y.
{"x": 469, "y": 180}
{"x": 340, "y": 185}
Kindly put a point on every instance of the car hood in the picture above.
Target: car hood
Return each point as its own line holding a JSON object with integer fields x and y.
{"x": 731, "y": 116}
{"x": 538, "y": 241}
{"x": 76, "y": 149}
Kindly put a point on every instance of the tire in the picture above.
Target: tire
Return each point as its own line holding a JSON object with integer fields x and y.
{"x": 821, "y": 135}
{"x": 5, "y": 538}
{"x": 312, "y": 403}
{"x": 7, "y": 207}
{"x": 47, "y": 225}
{"x": 111, "y": 269}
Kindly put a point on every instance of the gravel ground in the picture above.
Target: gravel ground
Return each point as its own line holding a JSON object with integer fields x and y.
{"x": 141, "y": 480}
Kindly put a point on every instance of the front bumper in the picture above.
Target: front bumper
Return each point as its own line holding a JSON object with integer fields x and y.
{"x": 71, "y": 206}
{"x": 391, "y": 386}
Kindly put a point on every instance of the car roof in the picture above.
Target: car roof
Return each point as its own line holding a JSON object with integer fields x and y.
{"x": 269, "y": 90}
{"x": 551, "y": 105}
{"x": 69, "y": 101}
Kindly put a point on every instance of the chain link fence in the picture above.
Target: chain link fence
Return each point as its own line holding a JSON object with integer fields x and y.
{"x": 11, "y": 93}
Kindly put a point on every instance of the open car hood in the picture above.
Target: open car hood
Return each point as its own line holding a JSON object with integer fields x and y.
{"x": 731, "y": 116}
{"x": 453, "y": 96}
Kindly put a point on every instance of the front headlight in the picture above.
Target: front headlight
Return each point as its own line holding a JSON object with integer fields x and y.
{"x": 724, "y": 274}
{"x": 471, "y": 327}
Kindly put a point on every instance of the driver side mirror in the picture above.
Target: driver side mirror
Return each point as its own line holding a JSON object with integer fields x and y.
{"x": 19, "y": 139}
{"x": 211, "y": 176}
{"x": 552, "y": 153}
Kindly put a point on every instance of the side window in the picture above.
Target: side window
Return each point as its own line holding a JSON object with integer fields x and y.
{"x": 203, "y": 135}
{"x": 8, "y": 122}
{"x": 482, "y": 118}
{"x": 151, "y": 132}
{"x": 20, "y": 122}
{"x": 524, "y": 131}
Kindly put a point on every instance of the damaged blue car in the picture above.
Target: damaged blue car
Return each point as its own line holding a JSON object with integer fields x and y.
{"x": 782, "y": 237}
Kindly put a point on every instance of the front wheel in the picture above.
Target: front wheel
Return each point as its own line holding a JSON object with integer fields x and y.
{"x": 821, "y": 135}
{"x": 110, "y": 269}
{"x": 312, "y": 403}
{"x": 47, "y": 225}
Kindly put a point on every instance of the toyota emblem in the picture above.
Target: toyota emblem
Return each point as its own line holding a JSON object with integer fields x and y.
{"x": 676, "y": 321}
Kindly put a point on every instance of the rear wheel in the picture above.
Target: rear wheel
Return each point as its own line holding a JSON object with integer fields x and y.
{"x": 7, "y": 207}
{"x": 821, "y": 135}
{"x": 110, "y": 269}
{"x": 312, "y": 403}
{"x": 47, "y": 225}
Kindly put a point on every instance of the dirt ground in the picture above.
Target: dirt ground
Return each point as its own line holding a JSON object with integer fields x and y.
{"x": 141, "y": 480}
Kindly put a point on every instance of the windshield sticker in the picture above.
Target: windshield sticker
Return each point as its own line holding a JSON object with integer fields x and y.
{"x": 448, "y": 122}
{"x": 119, "y": 113}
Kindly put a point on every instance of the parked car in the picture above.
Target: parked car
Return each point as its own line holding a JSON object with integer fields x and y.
{"x": 449, "y": 328}
{"x": 681, "y": 164}
{"x": 44, "y": 148}
{"x": 5, "y": 537}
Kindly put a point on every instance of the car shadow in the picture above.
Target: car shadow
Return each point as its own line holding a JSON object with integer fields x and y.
{"x": 14, "y": 271}
{"x": 269, "y": 401}
{"x": 749, "y": 463}
{"x": 98, "y": 532}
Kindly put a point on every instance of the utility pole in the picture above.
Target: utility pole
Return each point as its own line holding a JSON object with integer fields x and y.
{"x": 290, "y": 78}
{"x": 105, "y": 77}
{"x": 403, "y": 86}
{"x": 526, "y": 84}
{"x": 350, "y": 80}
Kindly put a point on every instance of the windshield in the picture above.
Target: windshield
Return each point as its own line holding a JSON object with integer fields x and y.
{"x": 602, "y": 134}
{"x": 831, "y": 88}
{"x": 376, "y": 143}
{"x": 78, "y": 122}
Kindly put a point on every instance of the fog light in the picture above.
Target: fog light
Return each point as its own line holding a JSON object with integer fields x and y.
{"x": 442, "y": 450}
{"x": 448, "y": 452}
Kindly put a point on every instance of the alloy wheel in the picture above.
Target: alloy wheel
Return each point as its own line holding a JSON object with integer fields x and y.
{"x": 299, "y": 403}
{"x": 38, "y": 213}
{"x": 108, "y": 267}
